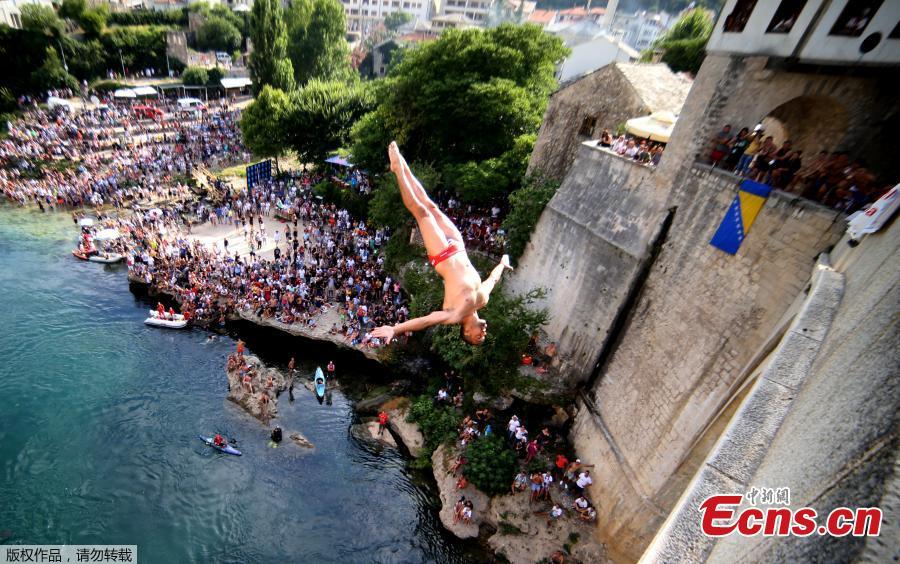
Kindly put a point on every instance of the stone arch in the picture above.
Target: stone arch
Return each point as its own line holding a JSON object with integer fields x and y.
{"x": 813, "y": 123}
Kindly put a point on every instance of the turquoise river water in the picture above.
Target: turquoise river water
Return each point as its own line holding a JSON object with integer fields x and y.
{"x": 98, "y": 434}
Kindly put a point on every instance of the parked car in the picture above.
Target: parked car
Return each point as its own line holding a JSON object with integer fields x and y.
{"x": 147, "y": 112}
{"x": 190, "y": 105}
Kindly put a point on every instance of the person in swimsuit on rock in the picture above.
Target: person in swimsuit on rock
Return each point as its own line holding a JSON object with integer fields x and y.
{"x": 464, "y": 291}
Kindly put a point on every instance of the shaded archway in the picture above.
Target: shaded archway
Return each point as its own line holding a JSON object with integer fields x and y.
{"x": 812, "y": 123}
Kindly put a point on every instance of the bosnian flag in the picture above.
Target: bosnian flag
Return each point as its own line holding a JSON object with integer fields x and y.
{"x": 743, "y": 211}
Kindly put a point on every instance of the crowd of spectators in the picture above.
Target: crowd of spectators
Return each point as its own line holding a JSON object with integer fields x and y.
{"x": 330, "y": 260}
{"x": 833, "y": 179}
{"x": 56, "y": 157}
{"x": 641, "y": 150}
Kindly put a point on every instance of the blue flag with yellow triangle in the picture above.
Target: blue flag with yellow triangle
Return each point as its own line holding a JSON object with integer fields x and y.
{"x": 741, "y": 214}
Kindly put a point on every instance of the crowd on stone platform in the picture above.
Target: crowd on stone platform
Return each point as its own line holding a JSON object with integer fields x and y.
{"x": 328, "y": 260}
{"x": 832, "y": 179}
{"x": 106, "y": 155}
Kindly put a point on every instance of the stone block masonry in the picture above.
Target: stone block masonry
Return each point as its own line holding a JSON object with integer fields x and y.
{"x": 700, "y": 318}
{"x": 590, "y": 243}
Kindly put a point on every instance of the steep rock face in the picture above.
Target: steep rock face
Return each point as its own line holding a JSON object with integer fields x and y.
{"x": 248, "y": 400}
{"x": 441, "y": 461}
{"x": 408, "y": 432}
{"x": 523, "y": 534}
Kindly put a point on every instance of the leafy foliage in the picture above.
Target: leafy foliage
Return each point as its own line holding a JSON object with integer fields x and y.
{"x": 396, "y": 19}
{"x": 685, "y": 55}
{"x": 526, "y": 205}
{"x": 72, "y": 9}
{"x": 322, "y": 113}
{"x": 93, "y": 21}
{"x": 42, "y": 19}
{"x": 386, "y": 207}
{"x": 218, "y": 34}
{"x": 316, "y": 43}
{"x": 141, "y": 46}
{"x": 484, "y": 181}
{"x": 215, "y": 74}
{"x": 492, "y": 465}
{"x": 51, "y": 73}
{"x": 684, "y": 45}
{"x": 437, "y": 423}
{"x": 262, "y": 123}
{"x": 142, "y": 16}
{"x": 268, "y": 61}
{"x": 195, "y": 76}
{"x": 342, "y": 197}
{"x": 494, "y": 364}
{"x": 464, "y": 97}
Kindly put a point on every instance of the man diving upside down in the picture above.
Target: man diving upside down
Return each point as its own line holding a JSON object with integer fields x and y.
{"x": 464, "y": 291}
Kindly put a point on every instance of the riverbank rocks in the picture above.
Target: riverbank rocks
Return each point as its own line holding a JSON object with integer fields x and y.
{"x": 523, "y": 534}
{"x": 368, "y": 431}
{"x": 409, "y": 433}
{"x": 318, "y": 332}
{"x": 374, "y": 403}
{"x": 250, "y": 401}
{"x": 441, "y": 461}
{"x": 500, "y": 403}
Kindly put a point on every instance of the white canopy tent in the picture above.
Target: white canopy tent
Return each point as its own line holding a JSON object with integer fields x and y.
{"x": 656, "y": 127}
{"x": 144, "y": 91}
{"x": 124, "y": 93}
{"x": 235, "y": 82}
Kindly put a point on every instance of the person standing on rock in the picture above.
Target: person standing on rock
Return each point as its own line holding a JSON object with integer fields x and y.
{"x": 240, "y": 347}
{"x": 464, "y": 291}
{"x": 382, "y": 422}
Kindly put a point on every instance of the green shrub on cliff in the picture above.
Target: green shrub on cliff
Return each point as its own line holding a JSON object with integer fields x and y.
{"x": 493, "y": 366}
{"x": 491, "y": 466}
{"x": 437, "y": 423}
{"x": 526, "y": 206}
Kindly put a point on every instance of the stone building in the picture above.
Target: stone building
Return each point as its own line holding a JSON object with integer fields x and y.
{"x": 604, "y": 99}
{"x": 708, "y": 372}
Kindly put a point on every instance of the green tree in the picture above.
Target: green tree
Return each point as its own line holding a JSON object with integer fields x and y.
{"x": 491, "y": 466}
{"x": 86, "y": 59}
{"x": 684, "y": 45}
{"x": 526, "y": 206}
{"x": 195, "y": 76}
{"x": 51, "y": 74}
{"x": 214, "y": 76}
{"x": 42, "y": 19}
{"x": 263, "y": 123}
{"x": 141, "y": 47}
{"x": 93, "y": 21}
{"x": 316, "y": 42}
{"x": 396, "y": 19}
{"x": 72, "y": 9}
{"x": 492, "y": 366}
{"x": 386, "y": 207}
{"x": 322, "y": 113}
{"x": 268, "y": 61}
{"x": 218, "y": 34}
{"x": 464, "y": 97}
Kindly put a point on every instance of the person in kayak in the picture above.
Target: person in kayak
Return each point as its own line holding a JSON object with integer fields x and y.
{"x": 220, "y": 441}
{"x": 464, "y": 291}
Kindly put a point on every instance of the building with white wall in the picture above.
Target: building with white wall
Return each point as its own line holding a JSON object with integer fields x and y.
{"x": 592, "y": 48}
{"x": 365, "y": 15}
{"x": 640, "y": 29}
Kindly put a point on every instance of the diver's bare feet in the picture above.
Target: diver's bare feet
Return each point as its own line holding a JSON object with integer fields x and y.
{"x": 505, "y": 262}
{"x": 395, "y": 157}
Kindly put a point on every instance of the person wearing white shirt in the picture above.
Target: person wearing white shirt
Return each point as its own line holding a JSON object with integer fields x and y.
{"x": 584, "y": 480}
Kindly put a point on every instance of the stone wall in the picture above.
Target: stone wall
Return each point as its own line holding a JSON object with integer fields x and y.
{"x": 604, "y": 96}
{"x": 590, "y": 241}
{"x": 700, "y": 318}
{"x": 838, "y": 445}
{"x": 833, "y": 109}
